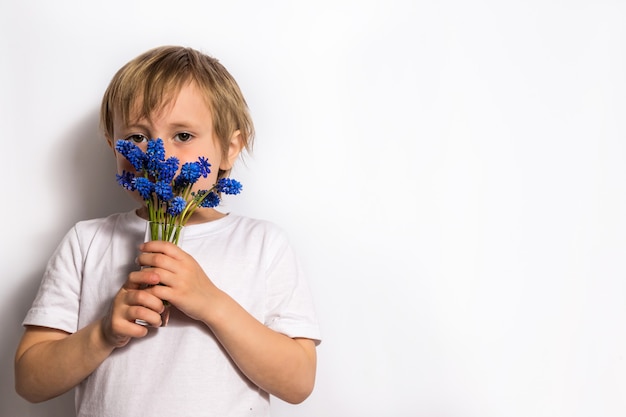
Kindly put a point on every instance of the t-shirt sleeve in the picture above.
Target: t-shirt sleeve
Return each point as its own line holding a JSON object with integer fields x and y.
{"x": 290, "y": 308}
{"x": 57, "y": 301}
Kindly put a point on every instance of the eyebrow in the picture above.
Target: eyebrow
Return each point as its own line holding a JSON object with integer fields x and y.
{"x": 133, "y": 126}
{"x": 178, "y": 125}
{"x": 143, "y": 125}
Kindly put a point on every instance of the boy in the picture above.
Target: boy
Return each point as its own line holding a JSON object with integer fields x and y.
{"x": 242, "y": 324}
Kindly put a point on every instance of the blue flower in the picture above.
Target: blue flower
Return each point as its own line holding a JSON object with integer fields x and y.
{"x": 124, "y": 147}
{"x": 132, "y": 153}
{"x": 167, "y": 169}
{"x": 228, "y": 186}
{"x": 155, "y": 150}
{"x": 125, "y": 179}
{"x": 163, "y": 191}
{"x": 176, "y": 206}
{"x": 190, "y": 172}
{"x": 144, "y": 186}
{"x": 155, "y": 155}
{"x": 205, "y": 166}
{"x": 211, "y": 200}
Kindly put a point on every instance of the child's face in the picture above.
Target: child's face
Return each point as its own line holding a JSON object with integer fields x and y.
{"x": 186, "y": 127}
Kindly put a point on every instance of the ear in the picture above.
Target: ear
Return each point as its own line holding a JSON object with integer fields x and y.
{"x": 235, "y": 146}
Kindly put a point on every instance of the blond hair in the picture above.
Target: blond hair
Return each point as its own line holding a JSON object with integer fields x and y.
{"x": 153, "y": 79}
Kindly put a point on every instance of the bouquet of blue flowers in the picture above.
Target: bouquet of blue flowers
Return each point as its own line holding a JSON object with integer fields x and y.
{"x": 168, "y": 197}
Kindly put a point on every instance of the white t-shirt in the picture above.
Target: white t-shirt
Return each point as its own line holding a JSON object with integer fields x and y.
{"x": 180, "y": 369}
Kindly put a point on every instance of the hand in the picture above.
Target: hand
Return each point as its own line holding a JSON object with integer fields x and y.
{"x": 279, "y": 365}
{"x": 133, "y": 302}
{"x": 183, "y": 282}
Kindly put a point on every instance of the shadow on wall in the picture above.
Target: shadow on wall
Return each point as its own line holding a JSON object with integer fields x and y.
{"x": 88, "y": 173}
{"x": 82, "y": 171}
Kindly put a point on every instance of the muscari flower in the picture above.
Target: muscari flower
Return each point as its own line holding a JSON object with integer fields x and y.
{"x": 176, "y": 206}
{"x": 124, "y": 147}
{"x": 132, "y": 153}
{"x": 144, "y": 186}
{"x": 125, "y": 179}
{"x": 163, "y": 191}
{"x": 190, "y": 172}
{"x": 166, "y": 170}
{"x": 155, "y": 155}
{"x": 208, "y": 199}
{"x": 205, "y": 166}
{"x": 228, "y": 186}
{"x": 155, "y": 150}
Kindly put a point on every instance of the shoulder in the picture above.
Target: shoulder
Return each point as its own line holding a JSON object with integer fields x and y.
{"x": 257, "y": 228}
{"x": 254, "y": 223}
{"x": 87, "y": 229}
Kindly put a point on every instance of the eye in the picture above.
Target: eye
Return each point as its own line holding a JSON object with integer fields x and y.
{"x": 137, "y": 138}
{"x": 184, "y": 137}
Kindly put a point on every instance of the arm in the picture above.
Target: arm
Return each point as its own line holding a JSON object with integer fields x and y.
{"x": 50, "y": 362}
{"x": 280, "y": 365}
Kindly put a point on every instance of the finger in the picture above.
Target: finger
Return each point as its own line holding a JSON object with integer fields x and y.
{"x": 126, "y": 328}
{"x": 157, "y": 260}
{"x": 144, "y": 298}
{"x": 120, "y": 326}
{"x": 160, "y": 292}
{"x": 142, "y": 279}
{"x": 161, "y": 246}
{"x": 141, "y": 314}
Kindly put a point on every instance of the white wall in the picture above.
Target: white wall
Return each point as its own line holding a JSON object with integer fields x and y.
{"x": 452, "y": 173}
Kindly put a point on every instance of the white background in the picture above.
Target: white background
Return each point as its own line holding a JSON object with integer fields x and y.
{"x": 451, "y": 172}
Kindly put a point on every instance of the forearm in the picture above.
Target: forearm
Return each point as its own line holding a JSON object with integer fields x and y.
{"x": 281, "y": 366}
{"x": 48, "y": 364}
{"x": 278, "y": 364}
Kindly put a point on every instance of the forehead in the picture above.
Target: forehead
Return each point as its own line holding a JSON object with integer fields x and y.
{"x": 148, "y": 105}
{"x": 185, "y": 106}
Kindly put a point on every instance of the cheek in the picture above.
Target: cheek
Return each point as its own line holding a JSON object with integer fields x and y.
{"x": 135, "y": 196}
{"x": 206, "y": 183}
{"x": 123, "y": 164}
